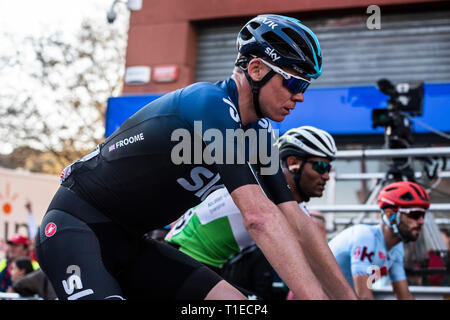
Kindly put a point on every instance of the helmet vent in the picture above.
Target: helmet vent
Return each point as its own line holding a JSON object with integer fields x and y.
{"x": 313, "y": 43}
{"x": 299, "y": 42}
{"x": 245, "y": 34}
{"x": 279, "y": 44}
{"x": 322, "y": 142}
{"x": 407, "y": 196}
{"x": 390, "y": 189}
{"x": 254, "y": 24}
{"x": 419, "y": 193}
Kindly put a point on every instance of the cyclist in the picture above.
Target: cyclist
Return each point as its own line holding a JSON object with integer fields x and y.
{"x": 365, "y": 253}
{"x": 91, "y": 242}
{"x": 213, "y": 232}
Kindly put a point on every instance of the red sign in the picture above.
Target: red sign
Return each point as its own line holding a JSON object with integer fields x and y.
{"x": 167, "y": 73}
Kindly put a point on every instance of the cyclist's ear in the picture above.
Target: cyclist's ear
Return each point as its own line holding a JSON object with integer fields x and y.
{"x": 256, "y": 69}
{"x": 390, "y": 213}
{"x": 293, "y": 164}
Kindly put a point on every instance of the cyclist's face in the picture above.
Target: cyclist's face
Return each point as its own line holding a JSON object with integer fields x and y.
{"x": 275, "y": 99}
{"x": 410, "y": 228}
{"x": 312, "y": 182}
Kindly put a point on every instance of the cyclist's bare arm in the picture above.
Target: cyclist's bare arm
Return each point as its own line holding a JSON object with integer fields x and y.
{"x": 401, "y": 290}
{"x": 224, "y": 291}
{"x": 277, "y": 240}
{"x": 362, "y": 288}
{"x": 318, "y": 253}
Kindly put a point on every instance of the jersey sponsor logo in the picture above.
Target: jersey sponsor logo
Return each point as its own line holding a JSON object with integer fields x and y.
{"x": 73, "y": 283}
{"x": 381, "y": 255}
{"x": 233, "y": 110}
{"x": 272, "y": 54}
{"x": 201, "y": 187}
{"x": 50, "y": 229}
{"x": 126, "y": 141}
{"x": 357, "y": 253}
{"x": 383, "y": 271}
{"x": 368, "y": 255}
{"x": 264, "y": 123}
{"x": 114, "y": 297}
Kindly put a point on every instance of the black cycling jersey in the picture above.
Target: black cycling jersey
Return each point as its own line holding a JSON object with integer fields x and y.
{"x": 132, "y": 177}
{"x": 166, "y": 158}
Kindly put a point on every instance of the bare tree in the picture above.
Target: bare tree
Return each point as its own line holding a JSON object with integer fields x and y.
{"x": 55, "y": 97}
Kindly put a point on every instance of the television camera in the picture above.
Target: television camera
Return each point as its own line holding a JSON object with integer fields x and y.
{"x": 405, "y": 99}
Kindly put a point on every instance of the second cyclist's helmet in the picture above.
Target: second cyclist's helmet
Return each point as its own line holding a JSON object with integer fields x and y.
{"x": 305, "y": 142}
{"x": 403, "y": 194}
{"x": 284, "y": 40}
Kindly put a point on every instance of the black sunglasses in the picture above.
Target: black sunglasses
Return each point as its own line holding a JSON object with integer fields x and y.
{"x": 413, "y": 213}
{"x": 320, "y": 166}
{"x": 294, "y": 84}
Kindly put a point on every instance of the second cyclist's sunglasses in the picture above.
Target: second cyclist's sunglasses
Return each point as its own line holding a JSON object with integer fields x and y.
{"x": 413, "y": 213}
{"x": 320, "y": 166}
{"x": 294, "y": 84}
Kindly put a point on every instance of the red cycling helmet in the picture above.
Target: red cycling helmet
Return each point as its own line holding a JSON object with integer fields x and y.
{"x": 403, "y": 194}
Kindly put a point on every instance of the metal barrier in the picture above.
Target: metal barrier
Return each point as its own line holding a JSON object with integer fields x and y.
{"x": 358, "y": 208}
{"x": 419, "y": 292}
{"x": 16, "y": 296}
{"x": 392, "y": 153}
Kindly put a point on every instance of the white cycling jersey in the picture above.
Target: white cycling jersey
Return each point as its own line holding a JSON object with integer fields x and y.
{"x": 361, "y": 250}
{"x": 213, "y": 231}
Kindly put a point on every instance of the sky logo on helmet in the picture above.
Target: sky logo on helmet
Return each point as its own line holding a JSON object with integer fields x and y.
{"x": 271, "y": 53}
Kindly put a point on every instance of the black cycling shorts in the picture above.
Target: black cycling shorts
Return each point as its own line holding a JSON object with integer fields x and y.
{"x": 87, "y": 256}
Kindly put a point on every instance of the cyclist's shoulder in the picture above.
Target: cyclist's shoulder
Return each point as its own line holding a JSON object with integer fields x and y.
{"x": 363, "y": 228}
{"x": 358, "y": 234}
{"x": 210, "y": 102}
{"x": 202, "y": 93}
{"x": 398, "y": 250}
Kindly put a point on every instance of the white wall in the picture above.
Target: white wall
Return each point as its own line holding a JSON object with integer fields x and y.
{"x": 16, "y": 188}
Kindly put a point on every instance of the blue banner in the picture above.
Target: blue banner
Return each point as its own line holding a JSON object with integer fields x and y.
{"x": 340, "y": 111}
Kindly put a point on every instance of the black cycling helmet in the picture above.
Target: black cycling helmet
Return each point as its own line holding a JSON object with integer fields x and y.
{"x": 285, "y": 41}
